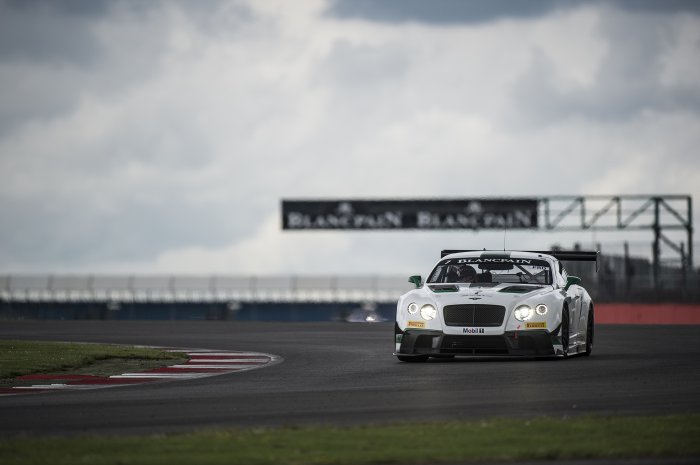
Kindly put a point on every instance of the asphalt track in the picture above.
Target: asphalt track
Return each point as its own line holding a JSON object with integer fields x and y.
{"x": 341, "y": 373}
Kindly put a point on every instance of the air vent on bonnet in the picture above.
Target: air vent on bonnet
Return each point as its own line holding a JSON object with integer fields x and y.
{"x": 519, "y": 289}
{"x": 444, "y": 288}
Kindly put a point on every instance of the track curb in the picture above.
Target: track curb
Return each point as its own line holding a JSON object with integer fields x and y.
{"x": 201, "y": 363}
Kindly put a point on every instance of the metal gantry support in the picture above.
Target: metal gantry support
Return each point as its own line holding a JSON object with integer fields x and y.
{"x": 626, "y": 212}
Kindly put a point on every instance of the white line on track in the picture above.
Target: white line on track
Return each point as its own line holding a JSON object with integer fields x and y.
{"x": 56, "y": 386}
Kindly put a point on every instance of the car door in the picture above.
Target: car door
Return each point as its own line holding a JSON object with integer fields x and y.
{"x": 574, "y": 295}
{"x": 583, "y": 315}
{"x": 577, "y": 298}
{"x": 576, "y": 305}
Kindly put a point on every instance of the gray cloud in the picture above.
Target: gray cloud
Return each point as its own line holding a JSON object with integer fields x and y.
{"x": 362, "y": 66}
{"x": 628, "y": 83}
{"x": 447, "y": 12}
{"x": 51, "y": 55}
{"x": 75, "y": 233}
{"x": 55, "y": 54}
{"x": 55, "y": 59}
{"x": 441, "y": 11}
{"x": 86, "y": 8}
{"x": 54, "y": 32}
{"x": 64, "y": 32}
{"x": 665, "y": 6}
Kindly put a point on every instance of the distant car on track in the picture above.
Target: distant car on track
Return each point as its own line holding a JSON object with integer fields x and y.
{"x": 365, "y": 314}
{"x": 489, "y": 303}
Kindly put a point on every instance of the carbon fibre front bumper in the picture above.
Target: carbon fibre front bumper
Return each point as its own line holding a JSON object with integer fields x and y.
{"x": 531, "y": 343}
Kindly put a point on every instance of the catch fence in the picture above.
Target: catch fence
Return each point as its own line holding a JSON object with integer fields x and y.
{"x": 617, "y": 280}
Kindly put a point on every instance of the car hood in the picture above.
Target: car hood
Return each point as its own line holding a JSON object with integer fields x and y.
{"x": 505, "y": 294}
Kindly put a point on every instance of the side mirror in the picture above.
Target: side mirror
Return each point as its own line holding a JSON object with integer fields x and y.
{"x": 417, "y": 280}
{"x": 570, "y": 281}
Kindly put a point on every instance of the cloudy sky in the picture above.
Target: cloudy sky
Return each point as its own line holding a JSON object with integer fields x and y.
{"x": 161, "y": 136}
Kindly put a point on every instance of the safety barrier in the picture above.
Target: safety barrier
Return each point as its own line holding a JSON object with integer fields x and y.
{"x": 662, "y": 313}
{"x": 238, "y": 311}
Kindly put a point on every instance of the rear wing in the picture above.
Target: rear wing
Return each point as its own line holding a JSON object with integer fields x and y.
{"x": 561, "y": 255}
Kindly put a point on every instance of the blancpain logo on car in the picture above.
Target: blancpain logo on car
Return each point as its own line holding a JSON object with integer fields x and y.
{"x": 524, "y": 261}
{"x": 473, "y": 330}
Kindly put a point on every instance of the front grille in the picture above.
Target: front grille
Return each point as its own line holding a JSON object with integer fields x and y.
{"x": 474, "y": 315}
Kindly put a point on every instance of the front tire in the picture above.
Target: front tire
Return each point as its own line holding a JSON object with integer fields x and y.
{"x": 413, "y": 358}
{"x": 589, "y": 332}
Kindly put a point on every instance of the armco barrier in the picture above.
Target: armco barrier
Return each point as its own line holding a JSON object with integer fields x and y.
{"x": 645, "y": 314}
{"x": 244, "y": 311}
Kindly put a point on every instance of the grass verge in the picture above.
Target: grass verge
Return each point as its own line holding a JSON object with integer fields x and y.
{"x": 450, "y": 442}
{"x": 19, "y": 358}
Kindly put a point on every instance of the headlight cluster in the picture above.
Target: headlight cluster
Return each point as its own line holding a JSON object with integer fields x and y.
{"x": 525, "y": 312}
{"x": 427, "y": 311}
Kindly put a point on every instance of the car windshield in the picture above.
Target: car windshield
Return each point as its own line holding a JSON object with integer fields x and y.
{"x": 491, "y": 270}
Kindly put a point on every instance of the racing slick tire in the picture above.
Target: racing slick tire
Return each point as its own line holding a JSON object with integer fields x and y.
{"x": 589, "y": 332}
{"x": 413, "y": 358}
{"x": 565, "y": 331}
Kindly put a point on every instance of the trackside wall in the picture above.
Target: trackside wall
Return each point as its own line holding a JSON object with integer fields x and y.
{"x": 661, "y": 313}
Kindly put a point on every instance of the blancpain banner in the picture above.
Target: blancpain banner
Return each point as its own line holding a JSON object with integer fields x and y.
{"x": 520, "y": 213}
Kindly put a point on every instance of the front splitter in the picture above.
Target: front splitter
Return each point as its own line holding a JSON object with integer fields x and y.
{"x": 531, "y": 343}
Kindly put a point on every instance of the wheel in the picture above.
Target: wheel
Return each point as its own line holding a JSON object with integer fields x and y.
{"x": 413, "y": 358}
{"x": 565, "y": 331}
{"x": 589, "y": 332}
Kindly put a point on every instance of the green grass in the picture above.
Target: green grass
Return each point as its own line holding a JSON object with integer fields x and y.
{"x": 19, "y": 358}
{"x": 452, "y": 442}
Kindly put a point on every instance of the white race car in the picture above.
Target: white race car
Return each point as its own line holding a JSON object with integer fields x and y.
{"x": 488, "y": 303}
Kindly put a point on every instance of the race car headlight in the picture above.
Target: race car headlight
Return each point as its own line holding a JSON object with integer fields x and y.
{"x": 428, "y": 312}
{"x": 413, "y": 308}
{"x": 523, "y": 312}
{"x": 541, "y": 309}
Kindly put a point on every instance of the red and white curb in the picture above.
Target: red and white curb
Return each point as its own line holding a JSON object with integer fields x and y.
{"x": 201, "y": 363}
